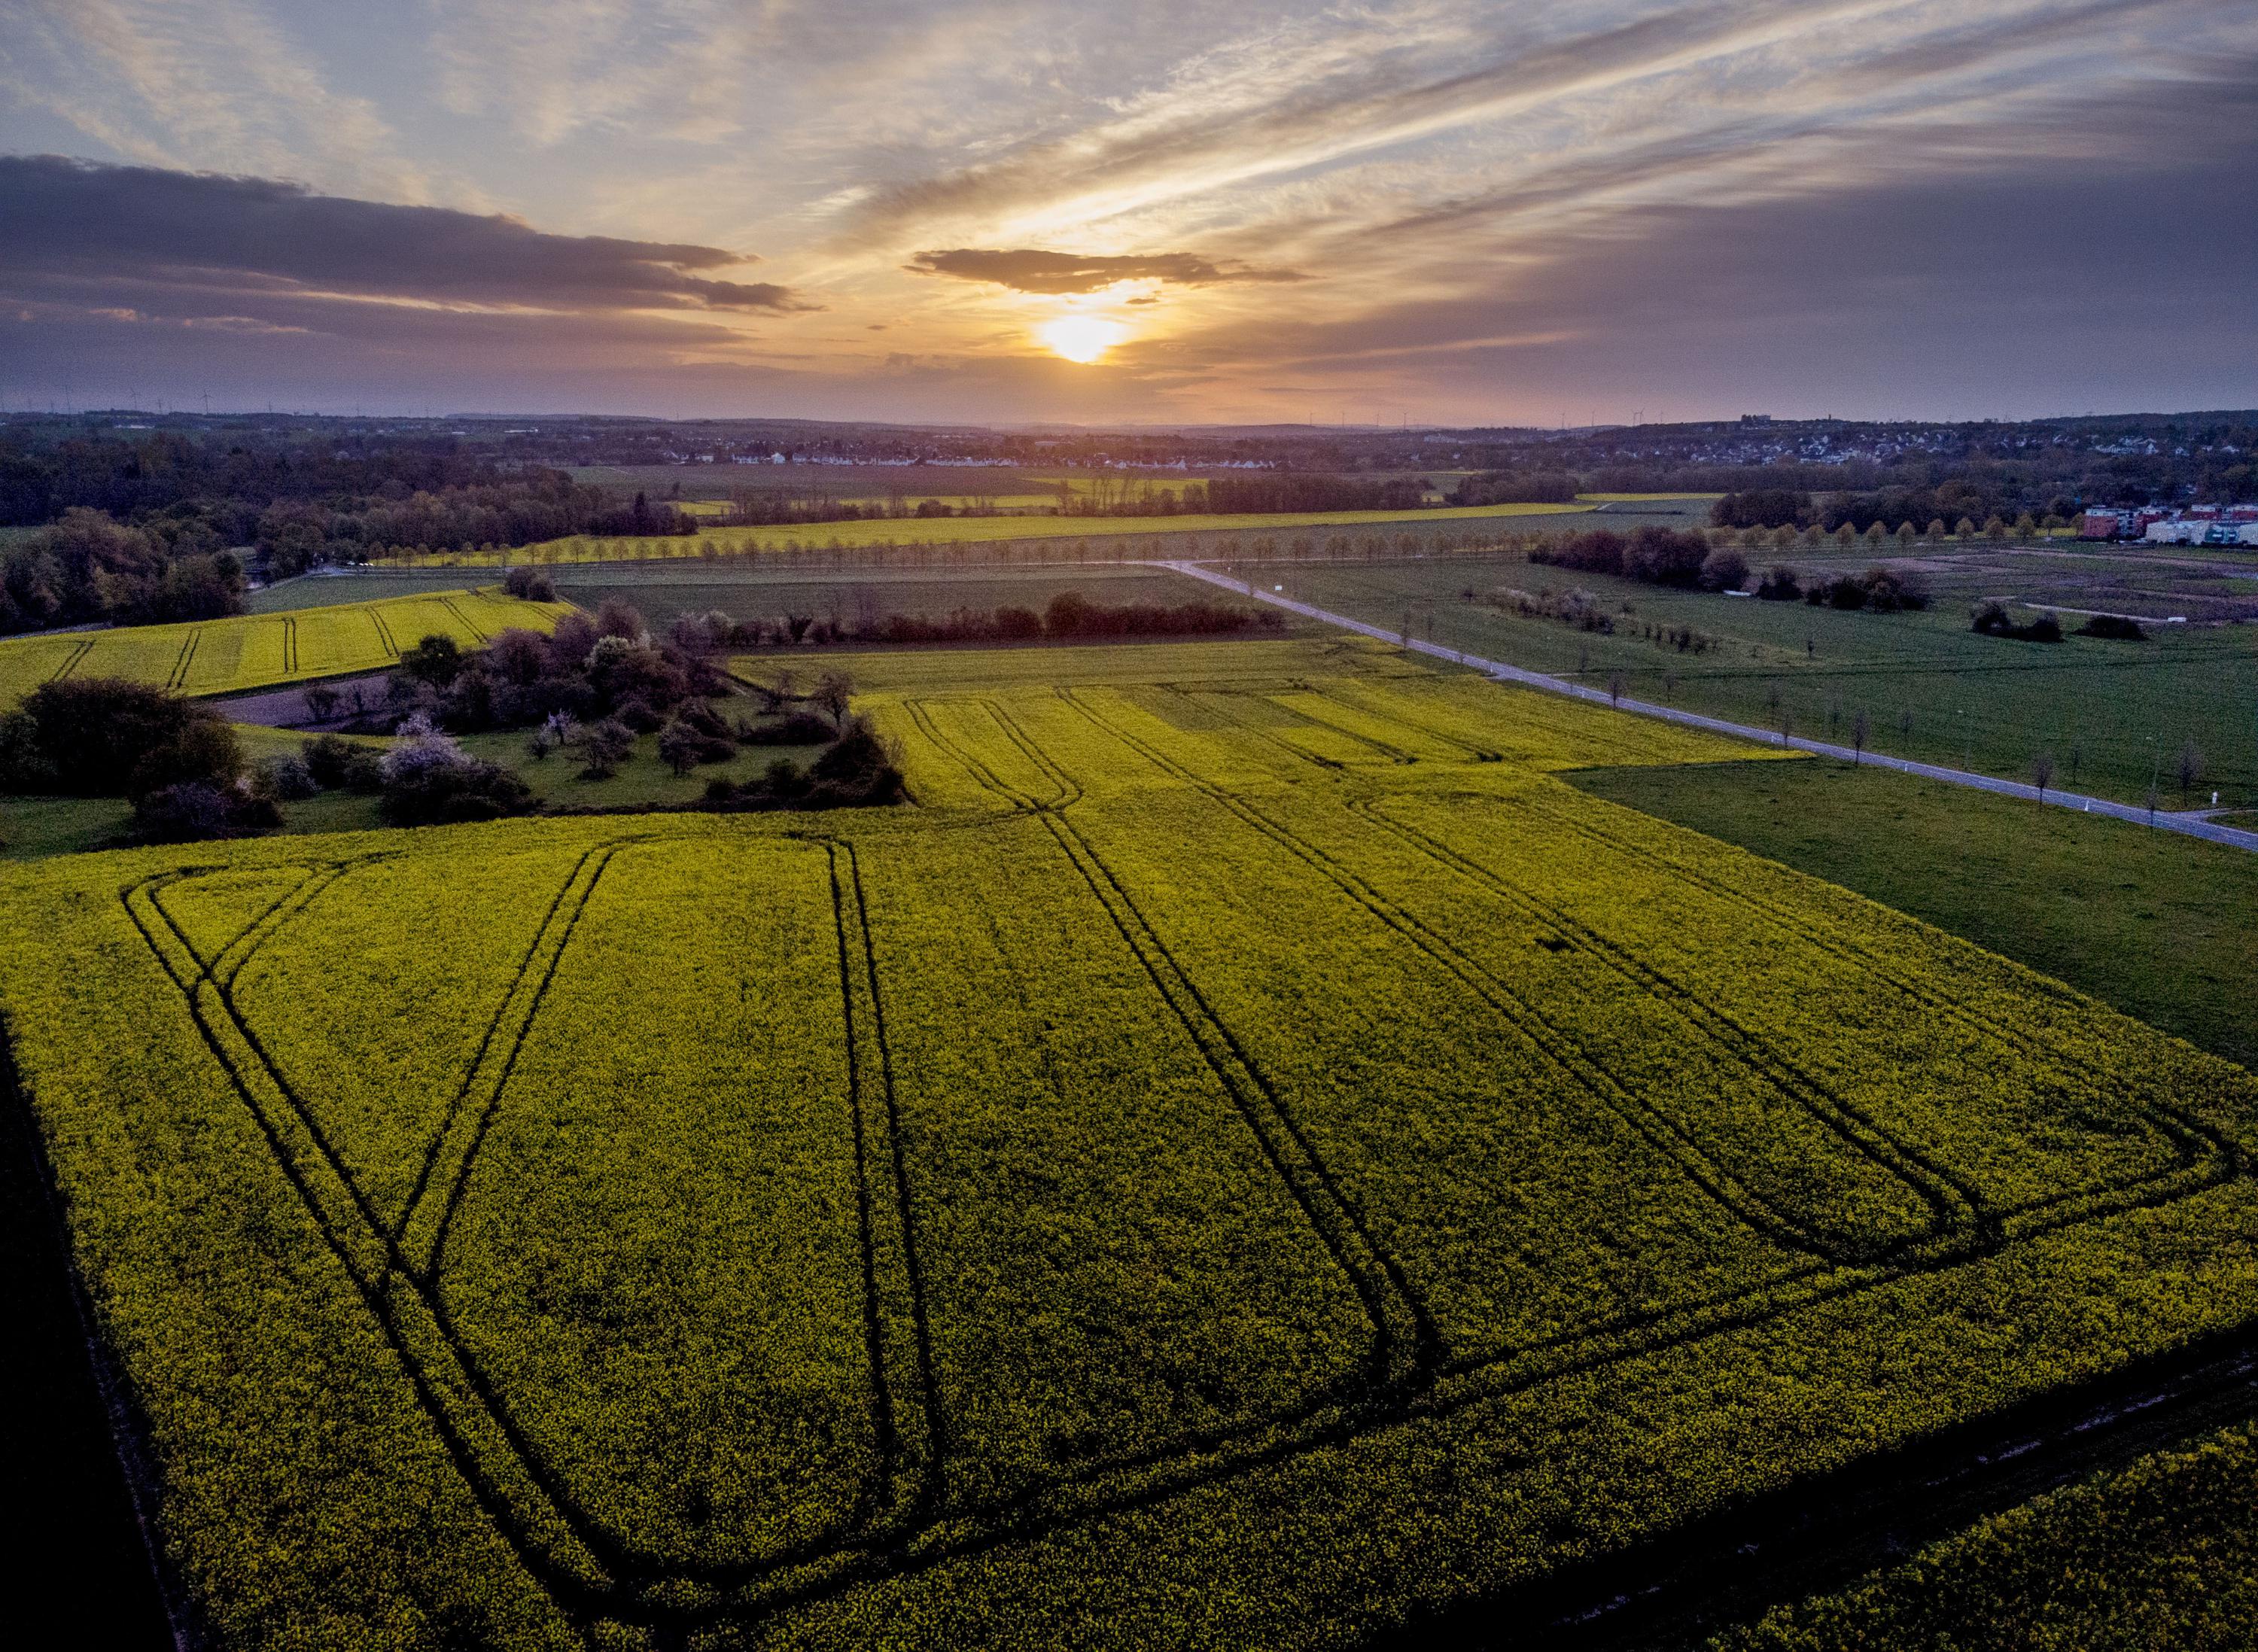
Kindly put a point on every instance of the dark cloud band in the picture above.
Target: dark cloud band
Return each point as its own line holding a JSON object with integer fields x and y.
{"x": 1027, "y": 270}
{"x": 73, "y": 225}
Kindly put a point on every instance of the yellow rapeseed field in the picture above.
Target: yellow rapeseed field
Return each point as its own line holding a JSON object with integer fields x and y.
{"x": 220, "y": 656}
{"x": 960, "y": 530}
{"x": 1249, "y": 1157}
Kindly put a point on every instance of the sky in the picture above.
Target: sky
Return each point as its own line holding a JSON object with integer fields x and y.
{"x": 998, "y": 211}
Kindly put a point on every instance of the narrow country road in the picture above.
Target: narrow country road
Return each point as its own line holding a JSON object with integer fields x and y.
{"x": 2191, "y": 825}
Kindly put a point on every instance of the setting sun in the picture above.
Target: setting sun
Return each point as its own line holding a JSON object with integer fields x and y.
{"x": 1082, "y": 338}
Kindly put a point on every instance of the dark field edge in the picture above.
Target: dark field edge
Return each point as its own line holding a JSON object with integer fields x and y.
{"x": 77, "y": 1481}
{"x": 1671, "y": 1592}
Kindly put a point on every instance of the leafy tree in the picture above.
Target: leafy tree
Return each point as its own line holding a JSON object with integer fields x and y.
{"x": 602, "y": 747}
{"x": 436, "y": 660}
{"x": 833, "y": 692}
{"x": 106, "y": 737}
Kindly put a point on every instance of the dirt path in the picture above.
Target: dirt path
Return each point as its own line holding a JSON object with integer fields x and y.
{"x": 286, "y": 707}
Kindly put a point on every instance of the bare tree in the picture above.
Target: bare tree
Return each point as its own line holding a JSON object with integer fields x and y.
{"x": 321, "y": 702}
{"x": 1905, "y": 725}
{"x": 1615, "y": 688}
{"x": 2189, "y": 769}
{"x": 2042, "y": 772}
{"x": 831, "y": 697}
{"x": 1858, "y": 730}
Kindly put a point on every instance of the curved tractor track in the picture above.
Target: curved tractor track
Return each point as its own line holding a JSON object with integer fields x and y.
{"x": 903, "y": 1518}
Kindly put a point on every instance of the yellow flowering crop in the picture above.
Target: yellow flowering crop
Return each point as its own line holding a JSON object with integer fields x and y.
{"x": 1249, "y": 1157}
{"x": 259, "y": 651}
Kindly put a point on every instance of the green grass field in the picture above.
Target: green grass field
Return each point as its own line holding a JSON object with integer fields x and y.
{"x": 1254, "y": 1155}
{"x": 2112, "y": 715}
{"x": 225, "y": 656}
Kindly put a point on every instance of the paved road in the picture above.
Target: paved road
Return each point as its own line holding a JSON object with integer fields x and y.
{"x": 2191, "y": 826}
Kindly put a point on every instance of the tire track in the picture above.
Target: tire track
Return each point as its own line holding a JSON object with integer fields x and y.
{"x": 2208, "y": 1155}
{"x": 1665, "y": 1134}
{"x": 624, "y": 1583}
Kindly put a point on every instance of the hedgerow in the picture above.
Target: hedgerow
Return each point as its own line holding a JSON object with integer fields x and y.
{"x": 1252, "y": 1160}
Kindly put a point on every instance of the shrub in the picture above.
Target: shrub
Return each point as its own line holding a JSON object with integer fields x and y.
{"x": 327, "y": 758}
{"x": 101, "y": 737}
{"x": 1664, "y": 557}
{"x": 682, "y": 747}
{"x": 364, "y": 775}
{"x": 1991, "y": 618}
{"x": 622, "y": 620}
{"x": 603, "y": 747}
{"x": 284, "y": 779}
{"x": 1724, "y": 571}
{"x": 435, "y": 661}
{"x": 798, "y": 729}
{"x": 1780, "y": 584}
{"x": 530, "y": 584}
{"x": 447, "y": 793}
{"x": 195, "y": 809}
{"x": 24, "y": 764}
{"x": 2115, "y": 627}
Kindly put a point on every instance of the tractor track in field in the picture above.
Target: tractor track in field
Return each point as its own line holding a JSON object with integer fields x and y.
{"x": 1565, "y": 1054}
{"x": 73, "y": 660}
{"x": 638, "y": 1585}
{"x": 902, "y": 1522}
{"x": 2204, "y": 1155}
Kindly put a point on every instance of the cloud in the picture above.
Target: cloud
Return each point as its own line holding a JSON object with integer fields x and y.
{"x": 219, "y": 83}
{"x": 74, "y": 225}
{"x": 1026, "y": 270}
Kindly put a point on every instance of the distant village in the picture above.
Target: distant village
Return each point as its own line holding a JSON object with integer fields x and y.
{"x": 2185, "y": 525}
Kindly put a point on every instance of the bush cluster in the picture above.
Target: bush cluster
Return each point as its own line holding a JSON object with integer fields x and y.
{"x": 2114, "y": 628}
{"x": 1991, "y": 619}
{"x": 1668, "y": 556}
{"x": 530, "y": 584}
{"x": 585, "y": 672}
{"x": 857, "y": 770}
{"x": 179, "y": 762}
{"x": 1882, "y": 590}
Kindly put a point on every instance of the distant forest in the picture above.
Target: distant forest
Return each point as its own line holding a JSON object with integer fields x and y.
{"x": 135, "y": 525}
